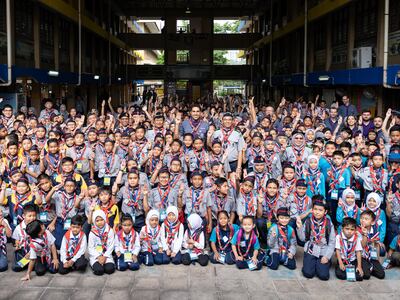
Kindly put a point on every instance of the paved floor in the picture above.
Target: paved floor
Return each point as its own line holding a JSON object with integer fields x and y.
{"x": 195, "y": 282}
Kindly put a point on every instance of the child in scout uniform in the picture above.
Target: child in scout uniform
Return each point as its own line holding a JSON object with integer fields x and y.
{"x": 287, "y": 185}
{"x": 88, "y": 204}
{"x": 73, "y": 248}
{"x": 197, "y": 198}
{"x": 10, "y": 160}
{"x": 318, "y": 234}
{"x": 266, "y": 209}
{"x": 394, "y": 252}
{"x": 131, "y": 196}
{"x": 67, "y": 170}
{"x": 5, "y": 232}
{"x": 373, "y": 203}
{"x": 260, "y": 173}
{"x": 221, "y": 238}
{"x": 339, "y": 176}
{"x": 282, "y": 242}
{"x": 245, "y": 246}
{"x": 172, "y": 236}
{"x": 107, "y": 204}
{"x": 109, "y": 164}
{"x": 246, "y": 203}
{"x": 51, "y": 161}
{"x": 32, "y": 165}
{"x": 22, "y": 240}
{"x": 47, "y": 212}
{"x": 101, "y": 245}
{"x": 42, "y": 254}
{"x": 315, "y": 179}
{"x": 17, "y": 200}
{"x": 349, "y": 251}
{"x": 393, "y": 211}
{"x": 127, "y": 246}
{"x": 371, "y": 246}
{"x": 150, "y": 238}
{"x": 83, "y": 156}
{"x": 194, "y": 242}
{"x": 163, "y": 195}
{"x": 348, "y": 207}
{"x": 66, "y": 202}
{"x": 301, "y": 203}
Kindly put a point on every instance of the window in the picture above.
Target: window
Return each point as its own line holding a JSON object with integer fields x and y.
{"x": 183, "y": 26}
{"x": 182, "y": 56}
{"x": 46, "y": 28}
{"x": 394, "y": 15}
{"x": 340, "y": 25}
{"x": 366, "y": 19}
{"x": 24, "y": 18}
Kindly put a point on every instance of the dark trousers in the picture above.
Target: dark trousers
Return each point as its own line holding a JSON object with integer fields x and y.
{"x": 393, "y": 229}
{"x": 202, "y": 259}
{"x": 79, "y": 265}
{"x": 273, "y": 262}
{"x": 139, "y": 223}
{"x": 312, "y": 266}
{"x": 41, "y": 266}
{"x": 18, "y": 255}
{"x": 372, "y": 267}
{"x": 333, "y": 205}
{"x": 340, "y": 274}
{"x": 99, "y": 269}
{"x": 59, "y": 232}
{"x": 86, "y": 228}
{"x": 122, "y": 265}
{"x": 153, "y": 258}
{"x": 229, "y": 258}
{"x": 242, "y": 264}
{"x": 261, "y": 224}
{"x": 395, "y": 259}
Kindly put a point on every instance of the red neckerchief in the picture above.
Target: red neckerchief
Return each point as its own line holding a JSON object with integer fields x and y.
{"x": 79, "y": 152}
{"x": 334, "y": 180}
{"x": 164, "y": 196}
{"x": 250, "y": 209}
{"x": 252, "y": 241}
{"x": 345, "y": 250}
{"x": 133, "y": 196}
{"x": 318, "y": 229}
{"x": 219, "y": 201}
{"x": 150, "y": 236}
{"x": 125, "y": 243}
{"x": 67, "y": 204}
{"x": 377, "y": 183}
{"x": 301, "y": 202}
{"x": 171, "y": 229}
{"x": 103, "y": 236}
{"x": 196, "y": 201}
{"x": 73, "y": 247}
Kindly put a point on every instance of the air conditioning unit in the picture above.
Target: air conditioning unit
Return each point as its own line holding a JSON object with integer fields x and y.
{"x": 362, "y": 57}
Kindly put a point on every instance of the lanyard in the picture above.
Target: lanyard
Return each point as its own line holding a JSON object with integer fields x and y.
{"x": 163, "y": 195}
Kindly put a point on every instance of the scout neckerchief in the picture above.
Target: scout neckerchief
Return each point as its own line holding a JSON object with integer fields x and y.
{"x": 256, "y": 151}
{"x": 195, "y": 235}
{"x": 288, "y": 185}
{"x": 200, "y": 158}
{"x": 164, "y": 193}
{"x": 102, "y": 234}
{"x": 107, "y": 208}
{"x": 372, "y": 237}
{"x": 41, "y": 143}
{"x": 3, "y": 241}
{"x": 11, "y": 162}
{"x": 133, "y": 196}
{"x": 226, "y": 133}
{"x": 109, "y": 162}
{"x": 25, "y": 239}
{"x": 335, "y": 173}
{"x": 46, "y": 206}
{"x": 79, "y": 152}
{"x": 196, "y": 195}
{"x": 251, "y": 242}
{"x": 347, "y": 247}
{"x": 298, "y": 152}
{"x": 228, "y": 242}
{"x": 171, "y": 229}
{"x": 318, "y": 228}
{"x": 152, "y": 164}
{"x": 195, "y": 124}
{"x": 40, "y": 245}
{"x": 73, "y": 243}
{"x": 283, "y": 238}
{"x": 249, "y": 206}
{"x": 313, "y": 177}
{"x": 392, "y": 177}
{"x": 350, "y": 211}
{"x": 151, "y": 235}
{"x": 259, "y": 180}
{"x": 139, "y": 146}
{"x": 125, "y": 150}
{"x": 175, "y": 178}
{"x": 53, "y": 162}
{"x": 127, "y": 240}
{"x": 67, "y": 203}
{"x": 19, "y": 202}
{"x": 377, "y": 179}
{"x": 219, "y": 200}
{"x": 302, "y": 202}
{"x": 355, "y": 184}
{"x": 270, "y": 205}
{"x": 269, "y": 160}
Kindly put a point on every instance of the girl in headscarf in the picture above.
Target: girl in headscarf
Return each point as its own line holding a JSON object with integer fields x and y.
{"x": 150, "y": 239}
{"x": 373, "y": 203}
{"x": 172, "y": 236}
{"x": 297, "y": 153}
{"x": 314, "y": 177}
{"x": 348, "y": 207}
{"x": 101, "y": 245}
{"x": 193, "y": 242}
{"x": 310, "y": 137}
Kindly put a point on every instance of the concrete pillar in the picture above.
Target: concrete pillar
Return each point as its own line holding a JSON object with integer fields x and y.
{"x": 310, "y": 52}
{"x": 56, "y": 31}
{"x": 36, "y": 35}
{"x": 36, "y": 96}
{"x": 351, "y": 34}
{"x": 72, "y": 49}
{"x": 328, "y": 43}
{"x": 380, "y": 33}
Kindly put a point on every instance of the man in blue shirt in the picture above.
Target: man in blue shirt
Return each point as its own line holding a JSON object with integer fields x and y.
{"x": 194, "y": 125}
{"x": 347, "y": 109}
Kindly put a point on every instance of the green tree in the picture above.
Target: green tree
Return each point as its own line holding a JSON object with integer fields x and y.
{"x": 227, "y": 27}
{"x": 160, "y": 59}
{"x": 219, "y": 58}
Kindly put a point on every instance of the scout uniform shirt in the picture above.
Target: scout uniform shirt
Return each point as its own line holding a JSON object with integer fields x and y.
{"x": 80, "y": 182}
{"x": 16, "y": 203}
{"x": 172, "y": 237}
{"x": 300, "y": 205}
{"x": 196, "y": 201}
{"x": 81, "y": 155}
{"x": 109, "y": 166}
{"x": 220, "y": 202}
{"x": 127, "y": 244}
{"x": 162, "y": 197}
{"x": 46, "y": 210}
{"x": 284, "y": 241}
{"x": 20, "y": 235}
{"x": 101, "y": 243}
{"x": 245, "y": 247}
{"x": 348, "y": 247}
{"x": 232, "y": 142}
{"x": 222, "y": 238}
{"x": 51, "y": 163}
{"x": 65, "y": 207}
{"x": 150, "y": 239}
{"x": 374, "y": 180}
{"x": 132, "y": 201}
{"x": 73, "y": 246}
{"x": 40, "y": 248}
{"x": 246, "y": 204}
{"x": 298, "y": 159}
{"x": 188, "y": 126}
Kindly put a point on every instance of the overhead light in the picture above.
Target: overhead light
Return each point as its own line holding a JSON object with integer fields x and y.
{"x": 264, "y": 80}
{"x": 53, "y": 73}
{"x": 323, "y": 78}
{"x": 119, "y": 79}
{"x": 188, "y": 10}
{"x": 97, "y": 77}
